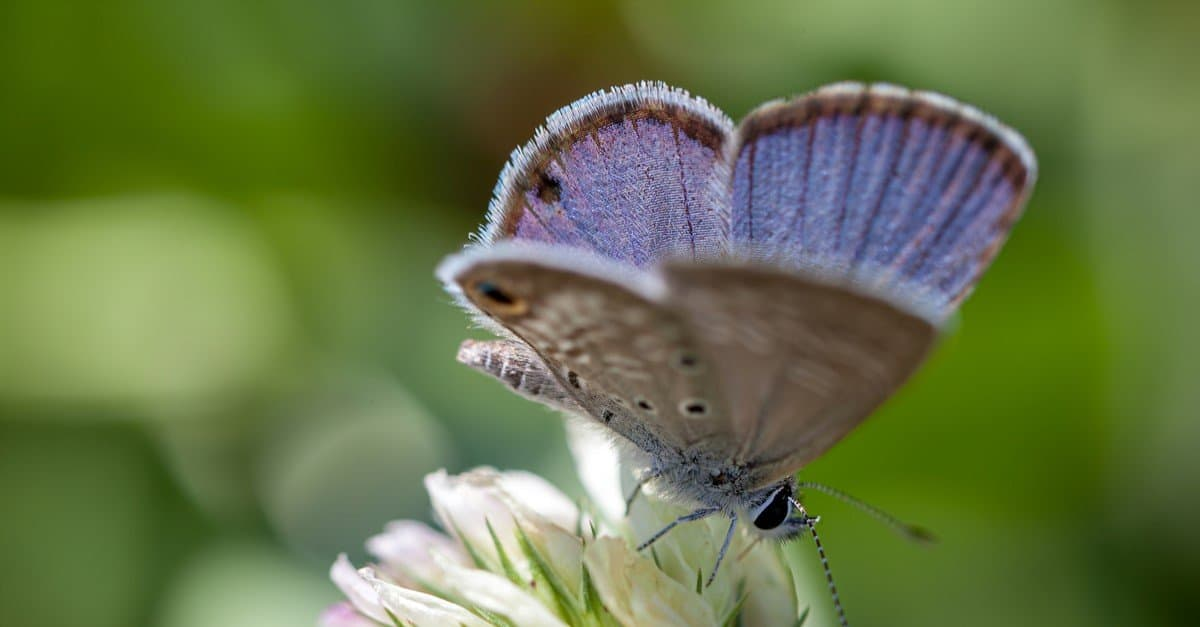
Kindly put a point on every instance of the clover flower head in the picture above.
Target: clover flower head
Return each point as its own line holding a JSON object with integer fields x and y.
{"x": 514, "y": 550}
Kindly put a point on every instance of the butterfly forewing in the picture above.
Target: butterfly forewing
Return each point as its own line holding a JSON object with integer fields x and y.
{"x": 799, "y": 362}
{"x": 632, "y": 173}
{"x": 628, "y": 359}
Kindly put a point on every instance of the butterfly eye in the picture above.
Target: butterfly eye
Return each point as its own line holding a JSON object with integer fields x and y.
{"x": 775, "y": 512}
{"x": 500, "y": 300}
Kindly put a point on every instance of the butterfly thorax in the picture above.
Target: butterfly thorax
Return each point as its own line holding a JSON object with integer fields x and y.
{"x": 698, "y": 478}
{"x": 767, "y": 510}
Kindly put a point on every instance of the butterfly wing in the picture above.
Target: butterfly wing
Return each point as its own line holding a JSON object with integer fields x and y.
{"x": 634, "y": 173}
{"x": 907, "y": 193}
{"x": 800, "y": 362}
{"x": 866, "y": 215}
{"x": 605, "y": 333}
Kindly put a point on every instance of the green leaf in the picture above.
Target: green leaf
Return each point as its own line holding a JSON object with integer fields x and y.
{"x": 597, "y": 614}
{"x": 734, "y": 617}
{"x": 506, "y": 564}
{"x": 476, "y": 556}
{"x": 563, "y": 596}
{"x": 493, "y": 618}
{"x": 395, "y": 621}
{"x": 436, "y": 590}
{"x": 800, "y": 620}
{"x": 585, "y": 592}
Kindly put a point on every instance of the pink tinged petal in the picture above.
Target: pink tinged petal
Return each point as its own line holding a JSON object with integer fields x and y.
{"x": 344, "y": 615}
{"x": 362, "y": 595}
{"x": 498, "y": 595}
{"x": 637, "y": 593}
{"x": 418, "y": 608}
{"x": 408, "y": 551}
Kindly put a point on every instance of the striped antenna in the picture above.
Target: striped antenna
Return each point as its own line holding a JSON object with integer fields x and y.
{"x": 912, "y": 532}
{"x": 811, "y": 522}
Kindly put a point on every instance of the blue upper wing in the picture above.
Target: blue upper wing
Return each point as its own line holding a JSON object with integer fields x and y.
{"x": 906, "y": 194}
{"x": 634, "y": 173}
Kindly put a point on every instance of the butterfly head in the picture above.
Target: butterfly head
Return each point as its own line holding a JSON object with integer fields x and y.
{"x": 775, "y": 513}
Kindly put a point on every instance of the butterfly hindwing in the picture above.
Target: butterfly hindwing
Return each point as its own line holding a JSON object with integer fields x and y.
{"x": 633, "y": 173}
{"x": 909, "y": 192}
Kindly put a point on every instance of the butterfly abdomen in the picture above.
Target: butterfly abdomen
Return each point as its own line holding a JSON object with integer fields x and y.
{"x": 519, "y": 368}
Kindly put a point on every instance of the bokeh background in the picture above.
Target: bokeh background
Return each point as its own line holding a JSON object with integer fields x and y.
{"x": 224, "y": 358}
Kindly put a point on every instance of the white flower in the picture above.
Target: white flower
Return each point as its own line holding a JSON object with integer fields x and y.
{"x": 517, "y": 551}
{"x": 410, "y": 551}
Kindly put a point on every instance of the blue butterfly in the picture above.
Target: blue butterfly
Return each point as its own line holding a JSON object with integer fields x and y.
{"x": 731, "y": 301}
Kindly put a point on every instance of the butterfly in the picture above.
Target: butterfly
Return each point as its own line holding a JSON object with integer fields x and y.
{"x": 732, "y": 300}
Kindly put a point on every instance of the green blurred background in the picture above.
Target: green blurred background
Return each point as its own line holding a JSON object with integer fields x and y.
{"x": 224, "y": 358}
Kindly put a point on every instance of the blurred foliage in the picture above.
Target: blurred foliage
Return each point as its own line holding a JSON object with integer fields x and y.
{"x": 223, "y": 356}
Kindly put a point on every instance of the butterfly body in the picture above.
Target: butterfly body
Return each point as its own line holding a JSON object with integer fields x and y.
{"x": 731, "y": 301}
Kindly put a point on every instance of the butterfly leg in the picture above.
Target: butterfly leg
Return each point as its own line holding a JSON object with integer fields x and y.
{"x": 696, "y": 515}
{"x": 637, "y": 489}
{"x": 724, "y": 547}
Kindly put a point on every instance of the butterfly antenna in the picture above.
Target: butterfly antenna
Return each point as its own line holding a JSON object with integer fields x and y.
{"x": 811, "y": 522}
{"x": 912, "y": 532}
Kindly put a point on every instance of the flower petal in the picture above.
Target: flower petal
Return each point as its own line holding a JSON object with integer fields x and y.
{"x": 344, "y": 615}
{"x": 688, "y": 548}
{"x": 467, "y": 503}
{"x": 407, "y": 551}
{"x": 541, "y": 497}
{"x": 598, "y": 463}
{"x": 360, "y": 593}
{"x": 636, "y": 592}
{"x": 497, "y": 595}
{"x": 772, "y": 598}
{"x": 419, "y": 608}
